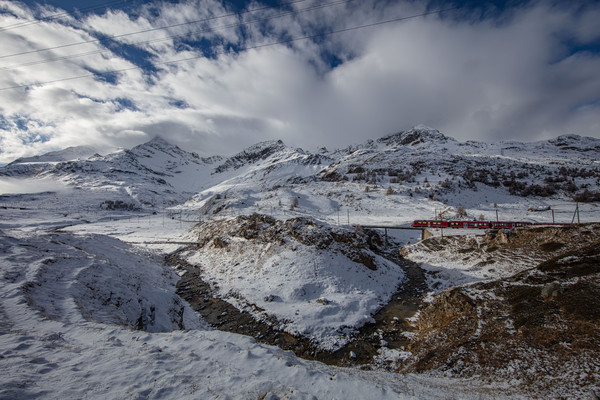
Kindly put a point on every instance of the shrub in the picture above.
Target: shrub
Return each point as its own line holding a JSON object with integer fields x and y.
{"x": 461, "y": 212}
{"x": 294, "y": 203}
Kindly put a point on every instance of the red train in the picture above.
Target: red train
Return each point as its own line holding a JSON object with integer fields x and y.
{"x": 422, "y": 223}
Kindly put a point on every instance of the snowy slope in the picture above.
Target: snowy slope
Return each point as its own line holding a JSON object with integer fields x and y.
{"x": 418, "y": 164}
{"x": 68, "y": 154}
{"x": 69, "y": 309}
{"x": 153, "y": 174}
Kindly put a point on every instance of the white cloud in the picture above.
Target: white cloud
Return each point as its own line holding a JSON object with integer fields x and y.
{"x": 512, "y": 77}
{"x": 18, "y": 186}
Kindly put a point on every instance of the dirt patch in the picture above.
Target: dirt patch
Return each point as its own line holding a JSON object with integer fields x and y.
{"x": 509, "y": 252}
{"x": 551, "y": 246}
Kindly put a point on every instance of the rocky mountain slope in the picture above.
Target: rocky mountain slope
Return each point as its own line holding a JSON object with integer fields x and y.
{"x": 152, "y": 174}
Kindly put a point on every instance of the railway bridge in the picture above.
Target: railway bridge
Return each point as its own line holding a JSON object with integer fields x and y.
{"x": 425, "y": 233}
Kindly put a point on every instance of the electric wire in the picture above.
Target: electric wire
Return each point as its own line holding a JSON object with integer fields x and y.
{"x": 254, "y": 47}
{"x": 188, "y": 34}
{"x": 62, "y": 15}
{"x": 149, "y": 30}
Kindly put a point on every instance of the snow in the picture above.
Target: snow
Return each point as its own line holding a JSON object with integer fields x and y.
{"x": 68, "y": 154}
{"x": 89, "y": 310}
{"x": 69, "y": 306}
{"x": 31, "y": 185}
{"x": 320, "y": 294}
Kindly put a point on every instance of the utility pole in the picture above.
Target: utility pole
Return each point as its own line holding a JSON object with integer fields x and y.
{"x": 348, "y": 217}
{"x": 497, "y": 216}
{"x": 386, "y": 238}
{"x": 576, "y": 213}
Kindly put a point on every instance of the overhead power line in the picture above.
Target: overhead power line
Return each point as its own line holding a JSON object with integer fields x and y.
{"x": 285, "y": 41}
{"x": 63, "y": 14}
{"x": 162, "y": 39}
{"x": 150, "y": 30}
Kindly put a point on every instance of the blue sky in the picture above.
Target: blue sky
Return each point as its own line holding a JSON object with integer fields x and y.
{"x": 215, "y": 77}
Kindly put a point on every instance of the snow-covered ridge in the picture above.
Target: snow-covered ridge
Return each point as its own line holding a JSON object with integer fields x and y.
{"x": 576, "y": 142}
{"x": 159, "y": 174}
{"x": 68, "y": 154}
{"x": 152, "y": 174}
{"x": 418, "y": 135}
{"x": 252, "y": 154}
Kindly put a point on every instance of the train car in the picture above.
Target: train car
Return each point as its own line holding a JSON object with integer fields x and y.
{"x": 522, "y": 224}
{"x": 503, "y": 225}
{"x": 427, "y": 223}
{"x": 477, "y": 224}
{"x": 438, "y": 224}
{"x": 510, "y": 224}
{"x": 421, "y": 223}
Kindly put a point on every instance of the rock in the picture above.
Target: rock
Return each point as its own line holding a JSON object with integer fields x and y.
{"x": 551, "y": 290}
{"x": 270, "y": 298}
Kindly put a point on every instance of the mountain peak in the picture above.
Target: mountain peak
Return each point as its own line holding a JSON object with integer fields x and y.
{"x": 418, "y": 134}
{"x": 259, "y": 151}
{"x": 157, "y": 141}
{"x": 267, "y": 146}
{"x": 68, "y": 154}
{"x": 423, "y": 128}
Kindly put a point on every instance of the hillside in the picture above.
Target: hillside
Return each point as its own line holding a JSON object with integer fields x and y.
{"x": 538, "y": 328}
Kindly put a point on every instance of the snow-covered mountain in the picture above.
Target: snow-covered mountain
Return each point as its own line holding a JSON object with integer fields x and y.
{"x": 417, "y": 163}
{"x": 68, "y": 154}
{"x": 152, "y": 174}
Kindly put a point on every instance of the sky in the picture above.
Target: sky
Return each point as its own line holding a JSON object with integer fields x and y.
{"x": 216, "y": 76}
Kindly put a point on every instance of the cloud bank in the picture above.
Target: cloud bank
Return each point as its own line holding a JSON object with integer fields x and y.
{"x": 20, "y": 186}
{"x": 226, "y": 81}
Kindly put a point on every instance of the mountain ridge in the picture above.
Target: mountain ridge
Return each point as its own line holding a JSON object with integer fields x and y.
{"x": 421, "y": 159}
